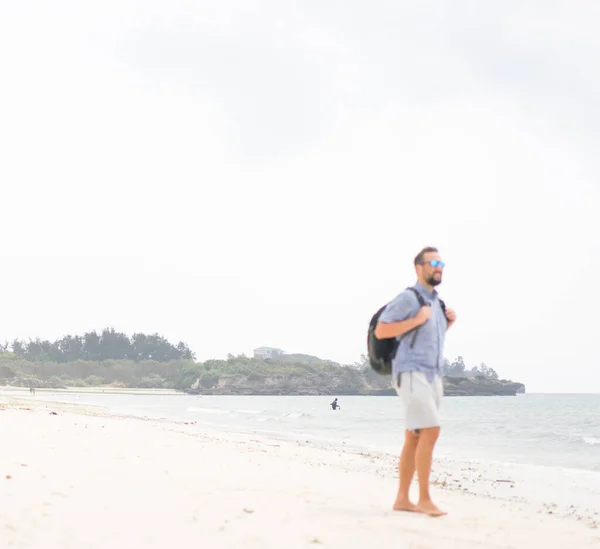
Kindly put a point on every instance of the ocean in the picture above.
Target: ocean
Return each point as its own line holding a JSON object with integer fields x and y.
{"x": 534, "y": 429}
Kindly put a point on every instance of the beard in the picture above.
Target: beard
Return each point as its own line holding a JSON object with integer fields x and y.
{"x": 434, "y": 281}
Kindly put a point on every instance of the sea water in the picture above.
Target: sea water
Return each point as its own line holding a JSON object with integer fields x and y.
{"x": 535, "y": 429}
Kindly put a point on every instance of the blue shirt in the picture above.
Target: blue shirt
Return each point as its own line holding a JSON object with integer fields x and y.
{"x": 427, "y": 353}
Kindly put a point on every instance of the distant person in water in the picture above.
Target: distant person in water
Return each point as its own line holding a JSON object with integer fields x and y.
{"x": 417, "y": 374}
{"x": 335, "y": 405}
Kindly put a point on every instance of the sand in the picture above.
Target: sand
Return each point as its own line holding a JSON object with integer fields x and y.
{"x": 80, "y": 479}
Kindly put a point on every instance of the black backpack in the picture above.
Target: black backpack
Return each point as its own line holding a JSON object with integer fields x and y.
{"x": 382, "y": 351}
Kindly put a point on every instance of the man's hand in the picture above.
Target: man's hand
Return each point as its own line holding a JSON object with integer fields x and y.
{"x": 451, "y": 316}
{"x": 423, "y": 315}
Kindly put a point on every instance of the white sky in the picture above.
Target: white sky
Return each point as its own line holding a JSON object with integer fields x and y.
{"x": 236, "y": 174}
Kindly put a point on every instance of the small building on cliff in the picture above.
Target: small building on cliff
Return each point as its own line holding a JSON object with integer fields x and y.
{"x": 267, "y": 352}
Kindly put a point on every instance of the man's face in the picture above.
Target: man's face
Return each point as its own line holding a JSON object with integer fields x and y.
{"x": 432, "y": 268}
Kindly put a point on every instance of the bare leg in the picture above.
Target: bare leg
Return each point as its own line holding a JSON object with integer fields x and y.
{"x": 423, "y": 457}
{"x": 406, "y": 470}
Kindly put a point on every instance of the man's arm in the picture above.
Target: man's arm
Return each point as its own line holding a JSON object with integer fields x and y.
{"x": 385, "y": 330}
{"x": 451, "y": 317}
{"x": 399, "y": 317}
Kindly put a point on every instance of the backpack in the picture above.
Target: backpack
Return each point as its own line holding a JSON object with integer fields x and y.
{"x": 382, "y": 351}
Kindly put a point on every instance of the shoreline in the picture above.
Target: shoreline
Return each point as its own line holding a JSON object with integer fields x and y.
{"x": 108, "y": 389}
{"x": 13, "y": 392}
{"x": 99, "y": 390}
{"x": 479, "y": 501}
{"x": 154, "y": 391}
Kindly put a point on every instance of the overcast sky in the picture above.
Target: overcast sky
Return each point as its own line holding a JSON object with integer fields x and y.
{"x": 236, "y": 174}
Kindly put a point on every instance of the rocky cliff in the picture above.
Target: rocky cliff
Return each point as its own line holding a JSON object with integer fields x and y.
{"x": 481, "y": 386}
{"x": 288, "y": 375}
{"x": 231, "y": 384}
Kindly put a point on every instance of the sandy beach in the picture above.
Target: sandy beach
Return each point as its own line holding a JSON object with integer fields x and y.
{"x": 74, "y": 478}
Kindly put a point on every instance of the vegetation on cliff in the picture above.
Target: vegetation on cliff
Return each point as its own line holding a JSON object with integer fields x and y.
{"x": 150, "y": 361}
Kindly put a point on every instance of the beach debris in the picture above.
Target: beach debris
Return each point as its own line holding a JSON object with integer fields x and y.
{"x": 8, "y": 477}
{"x": 249, "y": 511}
{"x": 53, "y": 413}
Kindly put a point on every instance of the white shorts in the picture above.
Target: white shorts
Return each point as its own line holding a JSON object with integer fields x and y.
{"x": 421, "y": 400}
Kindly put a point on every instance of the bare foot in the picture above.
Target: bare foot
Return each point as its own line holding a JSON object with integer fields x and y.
{"x": 429, "y": 508}
{"x": 405, "y": 505}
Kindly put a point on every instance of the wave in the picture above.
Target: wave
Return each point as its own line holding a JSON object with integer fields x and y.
{"x": 249, "y": 411}
{"x": 284, "y": 416}
{"x": 260, "y": 415}
{"x": 214, "y": 411}
{"x": 590, "y": 440}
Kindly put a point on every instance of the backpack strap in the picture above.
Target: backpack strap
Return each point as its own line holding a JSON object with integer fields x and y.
{"x": 419, "y": 296}
{"x": 421, "y": 304}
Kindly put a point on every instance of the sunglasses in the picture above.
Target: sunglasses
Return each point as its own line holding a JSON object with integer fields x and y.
{"x": 437, "y": 263}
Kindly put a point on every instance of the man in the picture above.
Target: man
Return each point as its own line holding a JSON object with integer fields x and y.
{"x": 417, "y": 374}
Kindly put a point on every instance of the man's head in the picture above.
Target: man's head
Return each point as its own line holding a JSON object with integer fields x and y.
{"x": 429, "y": 266}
